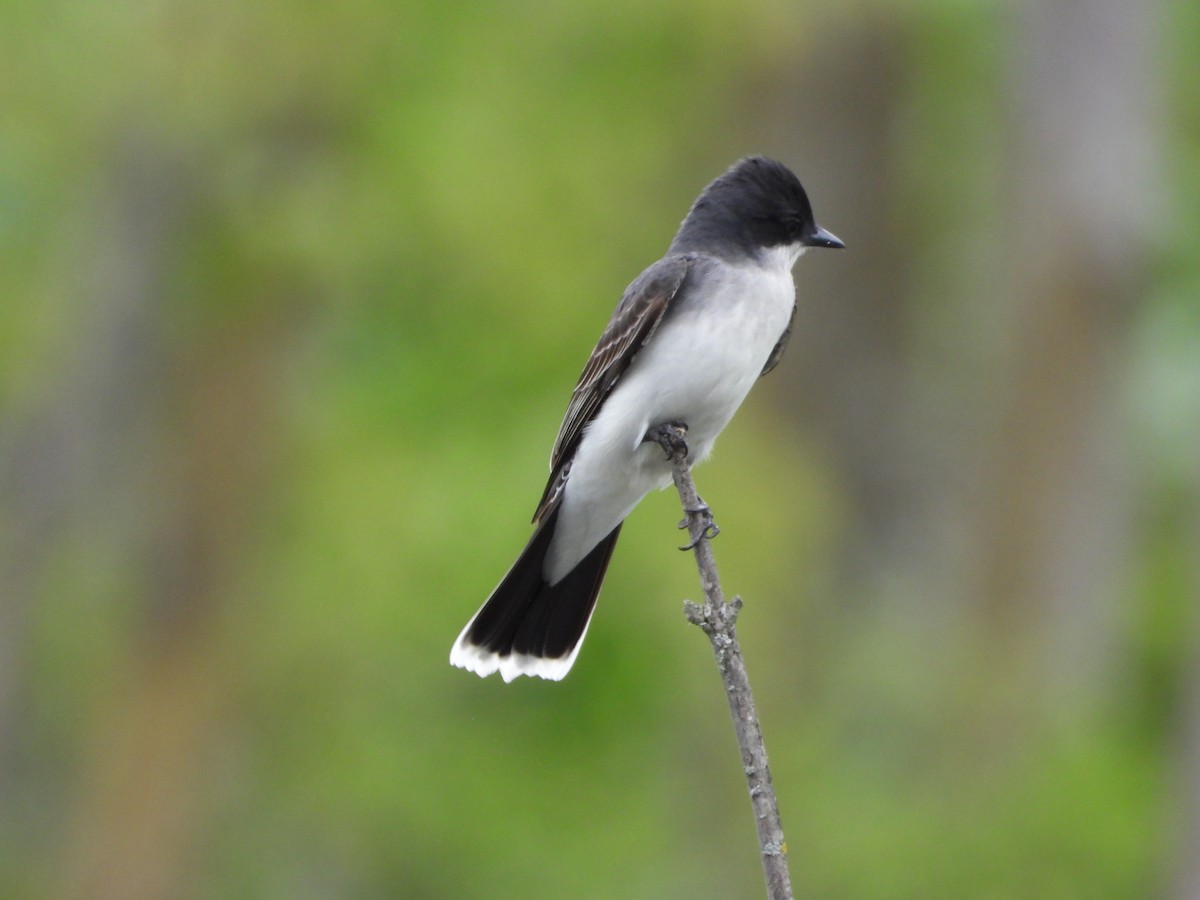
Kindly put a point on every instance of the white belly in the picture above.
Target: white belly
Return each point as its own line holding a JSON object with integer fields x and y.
{"x": 697, "y": 369}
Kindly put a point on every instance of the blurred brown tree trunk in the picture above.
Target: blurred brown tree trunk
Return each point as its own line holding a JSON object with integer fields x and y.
{"x": 156, "y": 441}
{"x": 76, "y": 463}
{"x": 999, "y": 487}
{"x": 1054, "y": 487}
{"x": 150, "y": 755}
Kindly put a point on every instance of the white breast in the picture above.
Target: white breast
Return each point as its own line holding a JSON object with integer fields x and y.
{"x": 701, "y": 365}
{"x": 698, "y": 368}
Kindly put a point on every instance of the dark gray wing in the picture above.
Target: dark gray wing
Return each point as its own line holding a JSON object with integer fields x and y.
{"x": 780, "y": 346}
{"x": 639, "y": 313}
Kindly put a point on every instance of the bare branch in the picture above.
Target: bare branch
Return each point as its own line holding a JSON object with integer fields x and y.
{"x": 717, "y": 618}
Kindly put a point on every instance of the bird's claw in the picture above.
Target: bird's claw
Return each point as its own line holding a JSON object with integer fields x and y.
{"x": 671, "y": 436}
{"x": 710, "y": 530}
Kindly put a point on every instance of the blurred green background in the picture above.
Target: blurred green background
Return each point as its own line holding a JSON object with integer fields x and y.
{"x": 292, "y": 297}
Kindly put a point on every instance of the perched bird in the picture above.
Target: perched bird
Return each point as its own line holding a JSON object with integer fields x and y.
{"x": 686, "y": 343}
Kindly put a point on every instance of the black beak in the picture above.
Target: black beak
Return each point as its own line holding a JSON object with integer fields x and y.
{"x": 822, "y": 238}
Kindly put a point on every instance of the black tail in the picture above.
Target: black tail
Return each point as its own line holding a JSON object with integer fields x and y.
{"x": 531, "y": 627}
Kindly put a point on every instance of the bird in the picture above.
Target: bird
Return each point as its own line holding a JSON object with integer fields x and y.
{"x": 688, "y": 339}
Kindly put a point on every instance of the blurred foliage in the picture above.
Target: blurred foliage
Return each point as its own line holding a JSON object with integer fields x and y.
{"x": 295, "y": 294}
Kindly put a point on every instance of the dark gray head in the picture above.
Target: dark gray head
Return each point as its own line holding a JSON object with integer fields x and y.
{"x": 758, "y": 204}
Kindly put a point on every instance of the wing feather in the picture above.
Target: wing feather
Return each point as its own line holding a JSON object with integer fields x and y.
{"x": 642, "y": 307}
{"x": 780, "y": 345}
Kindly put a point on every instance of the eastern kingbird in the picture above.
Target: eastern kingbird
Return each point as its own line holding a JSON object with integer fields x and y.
{"x": 686, "y": 343}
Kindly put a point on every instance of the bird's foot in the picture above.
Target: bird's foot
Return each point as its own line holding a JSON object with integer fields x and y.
{"x": 671, "y": 436}
{"x": 708, "y": 530}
